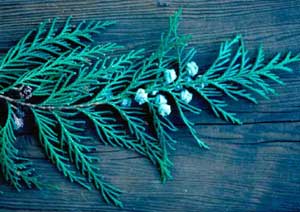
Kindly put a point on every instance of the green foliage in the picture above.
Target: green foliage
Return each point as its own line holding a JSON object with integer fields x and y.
{"x": 67, "y": 85}
{"x": 233, "y": 75}
{"x": 15, "y": 168}
{"x": 46, "y": 44}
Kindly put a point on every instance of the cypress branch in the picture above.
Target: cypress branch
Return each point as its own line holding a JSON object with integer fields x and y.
{"x": 66, "y": 81}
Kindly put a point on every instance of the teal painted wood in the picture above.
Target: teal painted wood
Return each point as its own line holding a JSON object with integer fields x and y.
{"x": 253, "y": 167}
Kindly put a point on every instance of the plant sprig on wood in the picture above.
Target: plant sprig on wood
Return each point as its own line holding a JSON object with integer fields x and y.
{"x": 66, "y": 84}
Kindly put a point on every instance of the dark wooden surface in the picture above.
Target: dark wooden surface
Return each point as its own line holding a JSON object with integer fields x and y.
{"x": 253, "y": 167}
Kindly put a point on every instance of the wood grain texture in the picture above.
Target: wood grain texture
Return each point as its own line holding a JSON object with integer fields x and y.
{"x": 253, "y": 167}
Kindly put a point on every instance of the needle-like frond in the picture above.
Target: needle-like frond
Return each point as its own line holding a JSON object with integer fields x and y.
{"x": 67, "y": 85}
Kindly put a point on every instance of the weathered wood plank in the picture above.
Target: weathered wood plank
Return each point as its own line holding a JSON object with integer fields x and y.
{"x": 232, "y": 175}
{"x": 254, "y": 167}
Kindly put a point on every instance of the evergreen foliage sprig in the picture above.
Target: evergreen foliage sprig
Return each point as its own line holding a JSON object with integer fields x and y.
{"x": 66, "y": 83}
